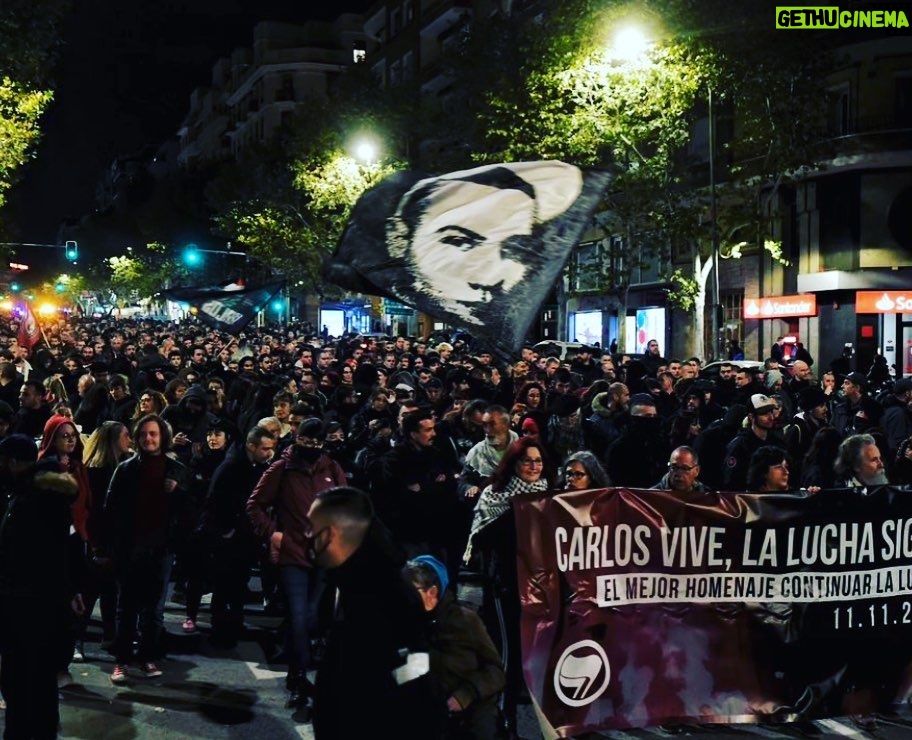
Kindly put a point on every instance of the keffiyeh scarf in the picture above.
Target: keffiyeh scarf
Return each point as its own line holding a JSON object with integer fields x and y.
{"x": 494, "y": 504}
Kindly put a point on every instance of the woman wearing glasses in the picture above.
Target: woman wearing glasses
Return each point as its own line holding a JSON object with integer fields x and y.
{"x": 523, "y": 469}
{"x": 61, "y": 443}
{"x": 150, "y": 402}
{"x": 582, "y": 471}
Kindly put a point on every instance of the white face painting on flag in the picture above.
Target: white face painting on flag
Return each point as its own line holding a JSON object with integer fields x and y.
{"x": 462, "y": 234}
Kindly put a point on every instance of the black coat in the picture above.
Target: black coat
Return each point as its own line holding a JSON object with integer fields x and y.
{"x": 36, "y": 568}
{"x": 120, "y": 507}
{"x": 379, "y": 619}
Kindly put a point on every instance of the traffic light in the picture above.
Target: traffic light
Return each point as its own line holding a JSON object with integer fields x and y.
{"x": 192, "y": 256}
{"x": 72, "y": 251}
{"x": 15, "y": 287}
{"x": 60, "y": 287}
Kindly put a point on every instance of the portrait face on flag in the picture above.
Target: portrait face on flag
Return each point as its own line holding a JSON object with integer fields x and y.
{"x": 468, "y": 237}
{"x": 478, "y": 248}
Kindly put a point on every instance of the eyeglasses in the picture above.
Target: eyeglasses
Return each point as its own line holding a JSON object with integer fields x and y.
{"x": 681, "y": 468}
{"x": 575, "y": 474}
{"x": 531, "y": 461}
{"x": 67, "y": 437}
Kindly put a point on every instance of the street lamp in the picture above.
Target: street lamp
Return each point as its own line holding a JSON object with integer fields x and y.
{"x": 366, "y": 151}
{"x": 714, "y": 229}
{"x": 631, "y": 46}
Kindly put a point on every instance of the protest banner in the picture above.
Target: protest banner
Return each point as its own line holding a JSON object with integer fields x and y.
{"x": 640, "y": 608}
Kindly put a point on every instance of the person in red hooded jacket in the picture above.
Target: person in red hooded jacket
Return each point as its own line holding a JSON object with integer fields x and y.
{"x": 62, "y": 444}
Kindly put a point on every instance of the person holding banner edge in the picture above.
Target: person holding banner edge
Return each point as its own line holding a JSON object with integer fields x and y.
{"x": 524, "y": 469}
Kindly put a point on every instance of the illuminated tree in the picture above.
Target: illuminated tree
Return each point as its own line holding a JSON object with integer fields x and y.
{"x": 287, "y": 202}
{"x": 556, "y": 89}
{"x": 28, "y": 39}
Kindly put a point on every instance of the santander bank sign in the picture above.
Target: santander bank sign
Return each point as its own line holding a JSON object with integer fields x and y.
{"x": 883, "y": 301}
{"x": 777, "y": 307}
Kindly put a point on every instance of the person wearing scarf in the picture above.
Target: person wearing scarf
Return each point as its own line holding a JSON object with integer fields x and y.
{"x": 524, "y": 469}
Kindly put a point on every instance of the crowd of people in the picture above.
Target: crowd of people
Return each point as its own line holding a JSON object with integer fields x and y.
{"x": 179, "y": 454}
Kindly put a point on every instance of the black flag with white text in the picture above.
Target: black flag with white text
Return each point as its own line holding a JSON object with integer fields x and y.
{"x": 227, "y": 309}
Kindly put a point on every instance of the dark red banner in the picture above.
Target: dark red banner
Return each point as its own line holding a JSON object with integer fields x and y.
{"x": 641, "y": 609}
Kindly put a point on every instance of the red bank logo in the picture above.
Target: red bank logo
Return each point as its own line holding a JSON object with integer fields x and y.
{"x": 582, "y": 673}
{"x": 883, "y": 301}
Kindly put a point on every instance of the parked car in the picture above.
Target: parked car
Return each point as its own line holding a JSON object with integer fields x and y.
{"x": 561, "y": 350}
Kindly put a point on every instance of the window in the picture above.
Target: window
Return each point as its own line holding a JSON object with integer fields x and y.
{"x": 903, "y": 101}
{"x": 395, "y": 22}
{"x": 408, "y": 66}
{"x": 732, "y": 324}
{"x": 585, "y": 268}
{"x": 838, "y": 111}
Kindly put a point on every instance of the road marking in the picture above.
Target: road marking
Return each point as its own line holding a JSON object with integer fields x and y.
{"x": 840, "y": 729}
{"x": 263, "y": 674}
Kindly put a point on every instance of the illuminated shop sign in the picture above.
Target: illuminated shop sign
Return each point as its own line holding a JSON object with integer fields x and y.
{"x": 883, "y": 301}
{"x": 779, "y": 306}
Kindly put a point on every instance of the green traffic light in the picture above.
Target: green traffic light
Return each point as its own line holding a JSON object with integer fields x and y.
{"x": 15, "y": 287}
{"x": 192, "y": 257}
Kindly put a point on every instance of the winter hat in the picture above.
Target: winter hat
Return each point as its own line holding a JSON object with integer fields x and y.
{"x": 439, "y": 569}
{"x": 772, "y": 377}
{"x": 311, "y": 427}
{"x": 19, "y": 447}
{"x": 529, "y": 425}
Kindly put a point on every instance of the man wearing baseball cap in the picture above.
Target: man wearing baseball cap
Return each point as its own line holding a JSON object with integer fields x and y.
{"x": 761, "y": 413}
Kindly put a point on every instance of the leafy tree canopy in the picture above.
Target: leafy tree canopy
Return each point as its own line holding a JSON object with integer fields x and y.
{"x": 28, "y": 41}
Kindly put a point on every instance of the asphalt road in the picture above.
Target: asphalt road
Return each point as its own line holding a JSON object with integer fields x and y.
{"x": 209, "y": 692}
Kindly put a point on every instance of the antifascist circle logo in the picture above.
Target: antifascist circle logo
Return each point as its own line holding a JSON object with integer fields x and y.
{"x": 582, "y": 673}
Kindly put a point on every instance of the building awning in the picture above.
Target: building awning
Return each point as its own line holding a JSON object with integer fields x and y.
{"x": 819, "y": 282}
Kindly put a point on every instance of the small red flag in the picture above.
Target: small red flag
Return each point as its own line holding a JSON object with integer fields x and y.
{"x": 29, "y": 332}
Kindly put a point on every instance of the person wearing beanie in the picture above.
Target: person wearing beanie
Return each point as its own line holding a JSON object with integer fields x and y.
{"x": 799, "y": 433}
{"x": 638, "y": 458}
{"x": 608, "y": 420}
{"x": 466, "y": 669}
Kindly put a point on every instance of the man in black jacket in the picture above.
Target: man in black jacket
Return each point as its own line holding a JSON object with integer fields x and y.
{"x": 761, "y": 412}
{"x": 376, "y": 669}
{"x": 228, "y": 530}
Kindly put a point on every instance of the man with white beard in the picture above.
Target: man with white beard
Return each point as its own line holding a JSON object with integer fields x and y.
{"x": 859, "y": 463}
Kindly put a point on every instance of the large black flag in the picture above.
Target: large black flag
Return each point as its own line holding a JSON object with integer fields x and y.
{"x": 479, "y": 248}
{"x": 227, "y": 309}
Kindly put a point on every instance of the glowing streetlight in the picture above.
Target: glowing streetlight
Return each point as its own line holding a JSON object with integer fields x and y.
{"x": 366, "y": 151}
{"x": 630, "y": 44}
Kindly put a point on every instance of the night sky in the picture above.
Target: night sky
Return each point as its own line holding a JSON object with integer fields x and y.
{"x": 123, "y": 86}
